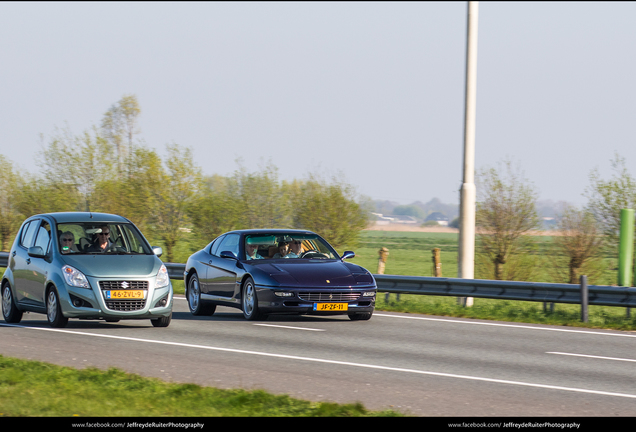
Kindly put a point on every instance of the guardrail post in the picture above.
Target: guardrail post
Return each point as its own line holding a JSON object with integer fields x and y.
{"x": 584, "y": 298}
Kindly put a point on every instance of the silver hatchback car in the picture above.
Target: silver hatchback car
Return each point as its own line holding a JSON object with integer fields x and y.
{"x": 88, "y": 266}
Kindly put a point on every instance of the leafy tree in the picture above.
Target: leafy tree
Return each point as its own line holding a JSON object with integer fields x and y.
{"x": 179, "y": 186}
{"x": 214, "y": 210}
{"x": 331, "y": 210}
{"x": 264, "y": 203}
{"x": 75, "y": 164}
{"x": 506, "y": 210}
{"x": 606, "y": 198}
{"x": 409, "y": 210}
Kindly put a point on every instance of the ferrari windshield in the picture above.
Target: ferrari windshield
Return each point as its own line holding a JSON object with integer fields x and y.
{"x": 287, "y": 246}
{"x": 101, "y": 238}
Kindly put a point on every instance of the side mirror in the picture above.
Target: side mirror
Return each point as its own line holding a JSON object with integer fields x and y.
{"x": 36, "y": 252}
{"x": 157, "y": 250}
{"x": 348, "y": 254}
{"x": 228, "y": 254}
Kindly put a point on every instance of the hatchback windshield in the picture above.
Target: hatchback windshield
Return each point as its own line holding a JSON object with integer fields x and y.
{"x": 94, "y": 238}
{"x": 274, "y": 246}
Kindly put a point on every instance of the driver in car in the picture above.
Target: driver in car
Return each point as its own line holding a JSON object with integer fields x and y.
{"x": 103, "y": 243}
{"x": 251, "y": 252}
{"x": 295, "y": 249}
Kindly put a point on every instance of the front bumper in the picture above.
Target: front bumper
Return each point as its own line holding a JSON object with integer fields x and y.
{"x": 338, "y": 301}
{"x": 85, "y": 303}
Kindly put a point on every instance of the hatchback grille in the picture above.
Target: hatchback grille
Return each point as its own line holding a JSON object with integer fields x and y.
{"x": 116, "y": 285}
{"x": 125, "y": 305}
{"x": 329, "y": 296}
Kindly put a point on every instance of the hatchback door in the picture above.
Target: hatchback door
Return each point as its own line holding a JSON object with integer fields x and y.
{"x": 21, "y": 263}
{"x": 37, "y": 267}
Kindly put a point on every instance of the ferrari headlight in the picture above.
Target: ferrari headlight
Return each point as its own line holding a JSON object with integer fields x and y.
{"x": 74, "y": 277}
{"x": 163, "y": 279}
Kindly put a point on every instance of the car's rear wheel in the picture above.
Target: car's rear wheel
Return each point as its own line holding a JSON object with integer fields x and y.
{"x": 249, "y": 301}
{"x": 196, "y": 305}
{"x": 363, "y": 316}
{"x": 54, "y": 310}
{"x": 161, "y": 322}
{"x": 10, "y": 311}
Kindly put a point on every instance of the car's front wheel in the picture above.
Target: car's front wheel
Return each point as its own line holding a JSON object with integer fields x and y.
{"x": 249, "y": 301}
{"x": 196, "y": 305}
{"x": 10, "y": 311}
{"x": 54, "y": 310}
{"x": 161, "y": 322}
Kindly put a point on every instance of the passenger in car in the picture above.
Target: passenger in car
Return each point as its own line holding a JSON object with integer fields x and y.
{"x": 283, "y": 250}
{"x": 67, "y": 243}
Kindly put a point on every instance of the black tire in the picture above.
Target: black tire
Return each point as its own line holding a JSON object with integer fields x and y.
{"x": 54, "y": 310}
{"x": 249, "y": 301}
{"x": 162, "y": 322}
{"x": 195, "y": 304}
{"x": 363, "y": 316}
{"x": 10, "y": 312}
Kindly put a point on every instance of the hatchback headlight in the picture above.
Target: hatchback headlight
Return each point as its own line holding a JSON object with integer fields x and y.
{"x": 74, "y": 277}
{"x": 163, "y": 279}
{"x": 368, "y": 294}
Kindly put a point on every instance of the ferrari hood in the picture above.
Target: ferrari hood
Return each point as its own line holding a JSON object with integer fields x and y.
{"x": 316, "y": 273}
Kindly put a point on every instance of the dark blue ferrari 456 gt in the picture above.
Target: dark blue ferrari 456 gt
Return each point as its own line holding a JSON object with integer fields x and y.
{"x": 266, "y": 272}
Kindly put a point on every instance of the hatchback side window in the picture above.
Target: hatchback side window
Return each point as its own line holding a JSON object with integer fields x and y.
{"x": 27, "y": 234}
{"x": 44, "y": 237}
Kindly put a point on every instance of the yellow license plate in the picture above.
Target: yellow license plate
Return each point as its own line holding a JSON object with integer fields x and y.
{"x": 124, "y": 294}
{"x": 331, "y": 306}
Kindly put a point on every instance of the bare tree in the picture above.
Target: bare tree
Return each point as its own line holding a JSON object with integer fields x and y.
{"x": 120, "y": 125}
{"x": 580, "y": 240}
{"x": 506, "y": 210}
{"x": 10, "y": 217}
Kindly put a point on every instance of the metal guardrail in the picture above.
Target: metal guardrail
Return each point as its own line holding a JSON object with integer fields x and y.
{"x": 504, "y": 290}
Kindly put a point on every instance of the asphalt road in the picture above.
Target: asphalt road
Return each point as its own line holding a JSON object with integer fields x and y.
{"x": 419, "y": 365}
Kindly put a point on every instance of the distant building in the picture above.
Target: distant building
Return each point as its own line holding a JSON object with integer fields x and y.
{"x": 380, "y": 219}
{"x": 438, "y": 217}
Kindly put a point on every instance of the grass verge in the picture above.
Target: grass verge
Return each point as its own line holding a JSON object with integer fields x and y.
{"x": 602, "y": 317}
{"x": 36, "y": 389}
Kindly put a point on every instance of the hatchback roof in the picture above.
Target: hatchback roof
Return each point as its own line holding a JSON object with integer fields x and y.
{"x": 63, "y": 217}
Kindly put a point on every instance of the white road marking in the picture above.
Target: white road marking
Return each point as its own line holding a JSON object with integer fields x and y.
{"x": 498, "y": 324}
{"x": 592, "y": 356}
{"x": 289, "y": 327}
{"x": 343, "y": 363}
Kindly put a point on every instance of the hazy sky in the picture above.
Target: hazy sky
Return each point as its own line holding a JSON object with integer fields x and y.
{"x": 372, "y": 91}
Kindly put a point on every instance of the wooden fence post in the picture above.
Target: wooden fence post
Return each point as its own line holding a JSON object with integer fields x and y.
{"x": 437, "y": 264}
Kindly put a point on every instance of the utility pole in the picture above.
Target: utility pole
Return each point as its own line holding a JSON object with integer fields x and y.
{"x": 466, "y": 258}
